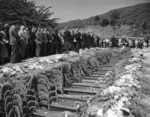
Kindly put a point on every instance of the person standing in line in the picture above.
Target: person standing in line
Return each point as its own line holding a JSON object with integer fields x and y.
{"x": 88, "y": 40}
{"x": 60, "y": 34}
{"x": 92, "y": 40}
{"x": 130, "y": 42}
{"x": 136, "y": 43}
{"x": 84, "y": 38}
{"x": 38, "y": 42}
{"x": 6, "y": 30}
{"x": 50, "y": 44}
{"x": 57, "y": 42}
{"x": 98, "y": 39}
{"x": 73, "y": 42}
{"x": 27, "y": 37}
{"x": 133, "y": 42}
{"x": 22, "y": 41}
{"x": 113, "y": 41}
{"x": 45, "y": 42}
{"x": 77, "y": 39}
{"x": 14, "y": 43}
{"x": 120, "y": 42}
{"x": 95, "y": 41}
{"x": 67, "y": 40}
{"x": 100, "y": 42}
{"x": 147, "y": 41}
{"x": 31, "y": 42}
{"x": 107, "y": 42}
{"x": 4, "y": 50}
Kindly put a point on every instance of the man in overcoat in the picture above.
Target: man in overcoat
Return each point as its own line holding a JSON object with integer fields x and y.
{"x": 14, "y": 43}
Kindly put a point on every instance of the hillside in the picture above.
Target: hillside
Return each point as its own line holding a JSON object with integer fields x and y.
{"x": 137, "y": 17}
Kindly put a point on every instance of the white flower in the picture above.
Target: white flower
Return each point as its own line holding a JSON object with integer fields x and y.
{"x": 124, "y": 99}
{"x": 18, "y": 69}
{"x": 116, "y": 97}
{"x": 40, "y": 67}
{"x": 13, "y": 73}
{"x": 7, "y": 70}
{"x": 120, "y": 104}
{"x": 111, "y": 89}
{"x": 100, "y": 112}
{"x": 58, "y": 57}
{"x": 111, "y": 113}
{"x": 50, "y": 62}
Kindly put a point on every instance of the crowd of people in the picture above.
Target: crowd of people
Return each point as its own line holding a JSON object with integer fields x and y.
{"x": 20, "y": 42}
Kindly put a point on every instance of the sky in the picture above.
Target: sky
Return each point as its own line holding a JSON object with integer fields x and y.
{"x": 68, "y": 10}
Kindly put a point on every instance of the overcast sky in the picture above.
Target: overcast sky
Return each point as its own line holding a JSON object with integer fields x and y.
{"x": 80, "y": 9}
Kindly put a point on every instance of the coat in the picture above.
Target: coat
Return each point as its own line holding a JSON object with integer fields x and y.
{"x": 3, "y": 45}
{"x": 67, "y": 36}
{"x": 13, "y": 36}
{"x": 39, "y": 37}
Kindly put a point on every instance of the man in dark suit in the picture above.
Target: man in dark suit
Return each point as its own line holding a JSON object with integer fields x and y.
{"x": 50, "y": 44}
{"x": 84, "y": 38}
{"x": 14, "y": 43}
{"x": 67, "y": 40}
{"x": 57, "y": 42}
{"x": 113, "y": 41}
{"x": 77, "y": 36}
{"x": 88, "y": 41}
{"x": 31, "y": 42}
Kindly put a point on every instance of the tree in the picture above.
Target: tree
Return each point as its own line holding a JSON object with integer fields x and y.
{"x": 115, "y": 15}
{"x": 104, "y": 22}
{"x": 97, "y": 18}
{"x": 112, "y": 22}
{"x": 144, "y": 25}
{"x": 25, "y": 12}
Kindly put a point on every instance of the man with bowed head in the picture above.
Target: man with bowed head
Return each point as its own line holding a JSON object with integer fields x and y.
{"x": 67, "y": 40}
{"x": 78, "y": 39}
{"x": 14, "y": 43}
{"x": 22, "y": 40}
{"x": 4, "y": 51}
{"x": 38, "y": 42}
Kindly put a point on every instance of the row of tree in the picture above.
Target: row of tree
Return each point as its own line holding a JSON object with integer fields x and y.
{"x": 26, "y": 12}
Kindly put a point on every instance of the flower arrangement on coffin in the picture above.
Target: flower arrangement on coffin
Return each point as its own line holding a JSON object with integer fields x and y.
{"x": 8, "y": 71}
{"x": 45, "y": 60}
{"x": 35, "y": 65}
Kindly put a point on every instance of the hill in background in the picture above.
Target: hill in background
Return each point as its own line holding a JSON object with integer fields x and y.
{"x": 128, "y": 21}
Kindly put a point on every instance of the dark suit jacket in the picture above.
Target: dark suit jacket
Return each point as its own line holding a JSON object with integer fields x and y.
{"x": 67, "y": 36}
{"x": 13, "y": 36}
{"x": 78, "y": 36}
